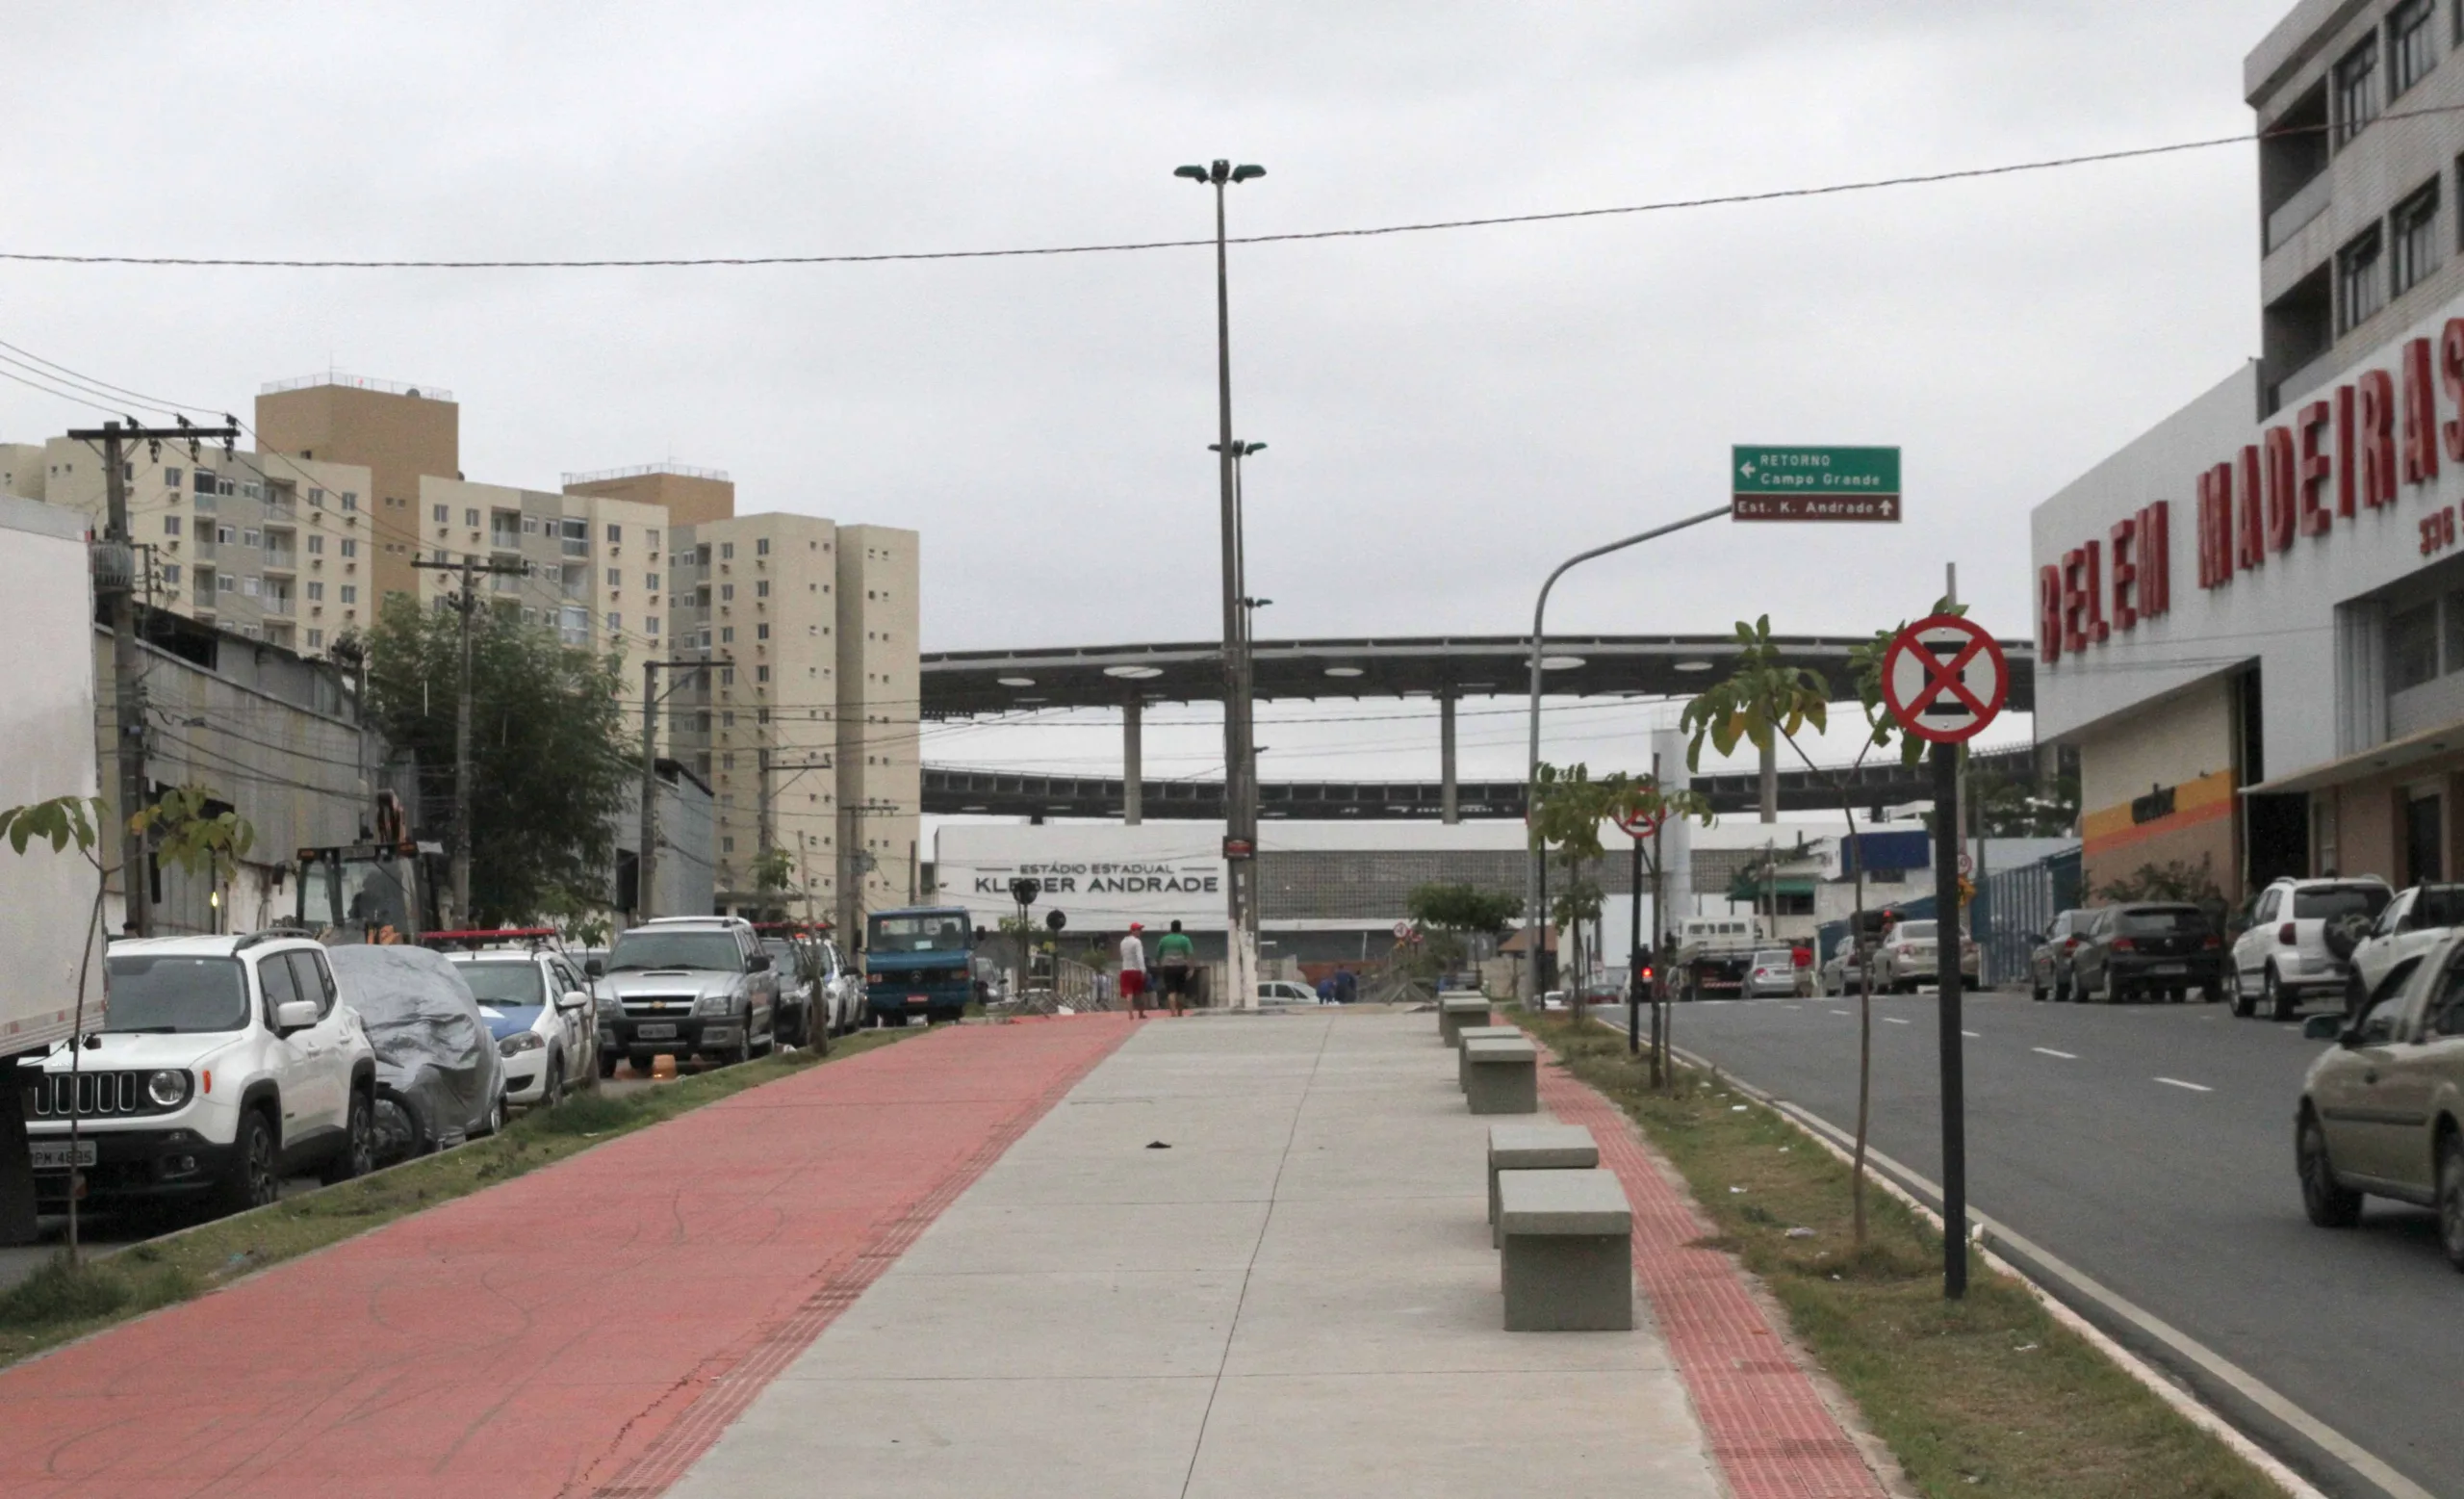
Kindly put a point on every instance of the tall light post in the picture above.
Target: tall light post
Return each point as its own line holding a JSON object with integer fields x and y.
{"x": 1240, "y": 790}
{"x": 1535, "y": 919}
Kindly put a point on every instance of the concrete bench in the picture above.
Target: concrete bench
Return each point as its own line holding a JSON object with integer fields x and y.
{"x": 1472, "y": 1033}
{"x": 1567, "y": 1260}
{"x": 1535, "y": 1148}
{"x": 1456, "y": 1010}
{"x": 1501, "y": 1076}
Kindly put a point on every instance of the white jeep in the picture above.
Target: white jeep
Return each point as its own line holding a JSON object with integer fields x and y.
{"x": 223, "y": 1065}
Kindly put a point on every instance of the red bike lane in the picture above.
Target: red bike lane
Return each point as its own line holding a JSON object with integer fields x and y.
{"x": 586, "y": 1329}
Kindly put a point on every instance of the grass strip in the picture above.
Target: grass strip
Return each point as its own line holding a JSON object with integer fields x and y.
{"x": 1989, "y": 1395}
{"x": 59, "y": 1304}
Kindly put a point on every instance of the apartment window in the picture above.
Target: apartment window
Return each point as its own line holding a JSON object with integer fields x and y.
{"x": 2415, "y": 233}
{"x": 761, "y": 631}
{"x": 252, "y": 587}
{"x": 650, "y": 581}
{"x": 727, "y": 679}
{"x": 2412, "y": 647}
{"x": 351, "y": 547}
{"x": 316, "y": 639}
{"x": 530, "y": 526}
{"x": 727, "y": 593}
{"x": 615, "y": 534}
{"x": 727, "y": 635}
{"x": 471, "y": 518}
{"x": 316, "y": 546}
{"x": 204, "y": 481}
{"x": 649, "y": 534}
{"x": 170, "y": 575}
{"x": 761, "y": 588}
{"x": 760, "y": 673}
{"x": 252, "y": 538}
{"x": 2411, "y": 52}
{"x": 171, "y": 477}
{"x": 575, "y": 537}
{"x": 2357, "y": 89}
{"x": 170, "y": 524}
{"x": 702, "y": 556}
{"x": 442, "y": 516}
{"x": 727, "y": 550}
{"x": 317, "y": 498}
{"x": 351, "y": 501}
{"x": 650, "y": 626}
{"x": 761, "y": 546}
{"x": 225, "y": 535}
{"x": 350, "y": 593}
{"x": 226, "y": 583}
{"x": 315, "y": 593}
{"x": 727, "y": 845}
{"x": 2361, "y": 289}
{"x": 615, "y": 624}
{"x": 615, "y": 578}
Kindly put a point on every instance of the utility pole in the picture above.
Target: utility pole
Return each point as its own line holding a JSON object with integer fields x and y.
{"x": 1240, "y": 798}
{"x": 467, "y": 604}
{"x": 645, "y": 862}
{"x": 116, "y": 578}
{"x": 767, "y": 803}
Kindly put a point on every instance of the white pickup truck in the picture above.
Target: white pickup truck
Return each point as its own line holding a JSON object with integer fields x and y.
{"x": 1714, "y": 954}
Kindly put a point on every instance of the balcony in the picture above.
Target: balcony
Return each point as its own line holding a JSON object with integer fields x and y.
{"x": 284, "y": 561}
{"x": 2292, "y": 216}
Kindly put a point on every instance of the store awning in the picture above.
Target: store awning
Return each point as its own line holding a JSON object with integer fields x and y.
{"x": 2395, "y": 755}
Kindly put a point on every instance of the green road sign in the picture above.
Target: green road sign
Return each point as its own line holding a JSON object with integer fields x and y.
{"x": 1778, "y": 483}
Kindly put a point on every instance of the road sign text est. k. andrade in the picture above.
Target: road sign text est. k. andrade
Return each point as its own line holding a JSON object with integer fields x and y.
{"x": 1769, "y": 482}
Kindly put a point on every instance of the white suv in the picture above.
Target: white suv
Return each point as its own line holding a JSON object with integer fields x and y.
{"x": 223, "y": 1065}
{"x": 2283, "y": 957}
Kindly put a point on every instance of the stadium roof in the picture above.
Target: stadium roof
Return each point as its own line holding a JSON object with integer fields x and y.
{"x": 975, "y": 684}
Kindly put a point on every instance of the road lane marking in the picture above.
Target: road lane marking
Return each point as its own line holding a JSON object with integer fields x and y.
{"x": 2175, "y": 1082}
{"x": 1973, "y": 1035}
{"x": 2068, "y": 1057}
{"x": 1893, "y": 1019}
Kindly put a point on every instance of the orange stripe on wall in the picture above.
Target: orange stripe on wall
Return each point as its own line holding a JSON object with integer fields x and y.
{"x": 2195, "y": 802}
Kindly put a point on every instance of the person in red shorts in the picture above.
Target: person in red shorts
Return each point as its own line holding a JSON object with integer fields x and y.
{"x": 1133, "y": 970}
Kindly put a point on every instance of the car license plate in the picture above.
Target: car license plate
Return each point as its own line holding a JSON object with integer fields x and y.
{"x": 2171, "y": 967}
{"x": 53, "y": 1154}
{"x": 654, "y": 1033}
{"x": 919, "y": 1000}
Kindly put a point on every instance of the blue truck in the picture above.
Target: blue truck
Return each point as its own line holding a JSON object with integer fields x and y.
{"x": 919, "y": 961}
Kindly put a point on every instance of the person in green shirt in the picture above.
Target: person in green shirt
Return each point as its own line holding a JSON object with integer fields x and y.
{"x": 1175, "y": 956}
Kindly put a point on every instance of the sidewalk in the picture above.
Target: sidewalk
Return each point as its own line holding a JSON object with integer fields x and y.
{"x": 585, "y": 1329}
{"x": 1298, "y": 1298}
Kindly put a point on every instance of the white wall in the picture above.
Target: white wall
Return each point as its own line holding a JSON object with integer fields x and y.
{"x": 48, "y": 722}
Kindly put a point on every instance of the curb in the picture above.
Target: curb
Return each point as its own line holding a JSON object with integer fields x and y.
{"x": 2201, "y": 1375}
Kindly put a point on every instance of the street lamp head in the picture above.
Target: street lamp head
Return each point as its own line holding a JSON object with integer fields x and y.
{"x": 1245, "y": 449}
{"x": 1245, "y": 173}
{"x": 1193, "y": 173}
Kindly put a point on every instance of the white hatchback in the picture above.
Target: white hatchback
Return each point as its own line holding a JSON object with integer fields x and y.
{"x": 539, "y": 1010}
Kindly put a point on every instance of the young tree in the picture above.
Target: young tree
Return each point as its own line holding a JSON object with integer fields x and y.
{"x": 552, "y": 761}
{"x": 181, "y": 829}
{"x": 1765, "y": 700}
{"x": 1569, "y": 808}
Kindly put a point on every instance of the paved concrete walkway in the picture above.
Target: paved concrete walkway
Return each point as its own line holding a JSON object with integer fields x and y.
{"x": 1296, "y": 1298}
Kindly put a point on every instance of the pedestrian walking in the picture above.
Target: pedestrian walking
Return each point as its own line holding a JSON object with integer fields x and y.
{"x": 1133, "y": 970}
{"x": 1175, "y": 955}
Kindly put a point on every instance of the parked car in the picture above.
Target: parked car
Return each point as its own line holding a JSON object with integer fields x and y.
{"x": 800, "y": 995}
{"x": 1843, "y": 973}
{"x": 842, "y": 988}
{"x": 1283, "y": 991}
{"x": 2411, "y": 924}
{"x": 2382, "y": 1111}
{"x": 294, "y": 1079}
{"x": 440, "y": 1079}
{"x": 539, "y": 1010}
{"x": 692, "y": 986}
{"x": 2050, "y": 959}
{"x": 1772, "y": 972}
{"x": 2285, "y": 956}
{"x": 1906, "y": 958}
{"x": 2147, "y": 948}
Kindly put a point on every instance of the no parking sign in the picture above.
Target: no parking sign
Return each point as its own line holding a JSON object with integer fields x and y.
{"x": 1944, "y": 679}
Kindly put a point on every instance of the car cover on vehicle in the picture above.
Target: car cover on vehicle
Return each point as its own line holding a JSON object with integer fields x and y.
{"x": 438, "y": 1072}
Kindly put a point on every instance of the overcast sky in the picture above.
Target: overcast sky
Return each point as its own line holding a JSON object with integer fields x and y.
{"x": 1448, "y": 414}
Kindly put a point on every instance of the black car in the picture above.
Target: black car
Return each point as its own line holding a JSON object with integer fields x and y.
{"x": 2049, "y": 962}
{"x": 2146, "y": 948}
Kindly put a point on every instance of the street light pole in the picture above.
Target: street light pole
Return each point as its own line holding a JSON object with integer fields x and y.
{"x": 1240, "y": 800}
{"x": 1533, "y": 918}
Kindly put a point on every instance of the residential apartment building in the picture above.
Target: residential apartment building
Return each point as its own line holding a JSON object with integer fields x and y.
{"x": 594, "y": 570}
{"x": 399, "y": 433}
{"x": 2251, "y": 618}
{"x": 804, "y": 726}
{"x": 264, "y": 546}
{"x": 693, "y": 497}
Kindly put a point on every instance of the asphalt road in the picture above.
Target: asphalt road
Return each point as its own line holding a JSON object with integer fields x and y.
{"x": 2151, "y": 1147}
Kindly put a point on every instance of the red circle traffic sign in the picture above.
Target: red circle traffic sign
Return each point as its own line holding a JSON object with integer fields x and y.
{"x": 1641, "y": 824}
{"x": 1944, "y": 679}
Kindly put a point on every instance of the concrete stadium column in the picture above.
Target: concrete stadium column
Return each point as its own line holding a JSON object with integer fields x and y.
{"x": 1449, "y": 800}
{"x": 1133, "y": 756}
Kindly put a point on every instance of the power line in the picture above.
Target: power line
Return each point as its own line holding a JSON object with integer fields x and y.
{"x": 1665, "y": 205}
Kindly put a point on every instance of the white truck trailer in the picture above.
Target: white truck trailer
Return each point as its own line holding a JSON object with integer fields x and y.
{"x": 46, "y": 899}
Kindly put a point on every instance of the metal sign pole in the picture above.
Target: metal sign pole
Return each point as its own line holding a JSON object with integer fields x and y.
{"x": 1947, "y": 968}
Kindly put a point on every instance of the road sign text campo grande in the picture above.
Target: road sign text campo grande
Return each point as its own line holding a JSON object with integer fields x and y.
{"x": 1778, "y": 483}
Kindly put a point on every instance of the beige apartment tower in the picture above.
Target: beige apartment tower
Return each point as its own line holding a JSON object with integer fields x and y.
{"x": 399, "y": 433}
{"x": 881, "y": 777}
{"x": 692, "y": 497}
